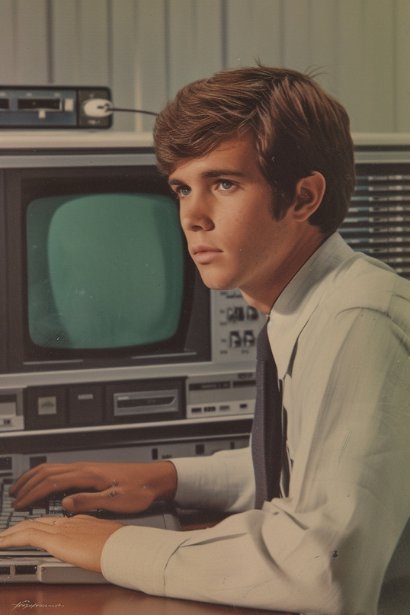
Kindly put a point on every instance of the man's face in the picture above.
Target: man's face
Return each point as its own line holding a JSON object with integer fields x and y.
{"x": 226, "y": 215}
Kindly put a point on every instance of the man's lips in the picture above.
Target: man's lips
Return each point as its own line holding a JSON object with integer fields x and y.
{"x": 205, "y": 254}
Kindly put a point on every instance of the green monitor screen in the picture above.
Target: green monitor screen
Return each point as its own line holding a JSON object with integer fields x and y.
{"x": 105, "y": 271}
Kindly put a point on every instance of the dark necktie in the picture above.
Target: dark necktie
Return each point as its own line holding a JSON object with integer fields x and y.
{"x": 267, "y": 439}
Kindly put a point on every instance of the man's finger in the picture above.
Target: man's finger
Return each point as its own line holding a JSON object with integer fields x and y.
{"x": 110, "y": 499}
{"x": 57, "y": 483}
{"x": 44, "y": 473}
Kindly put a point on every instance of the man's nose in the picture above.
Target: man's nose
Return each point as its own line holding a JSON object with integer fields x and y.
{"x": 195, "y": 213}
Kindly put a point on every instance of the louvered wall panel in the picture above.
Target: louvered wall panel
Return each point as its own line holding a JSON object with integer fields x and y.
{"x": 378, "y": 222}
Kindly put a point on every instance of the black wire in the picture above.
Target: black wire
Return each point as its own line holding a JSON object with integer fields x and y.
{"x": 132, "y": 110}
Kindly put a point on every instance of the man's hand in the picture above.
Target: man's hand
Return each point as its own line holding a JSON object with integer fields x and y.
{"x": 78, "y": 540}
{"x": 117, "y": 487}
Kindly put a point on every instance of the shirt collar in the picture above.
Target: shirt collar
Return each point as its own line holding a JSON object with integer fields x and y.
{"x": 297, "y": 302}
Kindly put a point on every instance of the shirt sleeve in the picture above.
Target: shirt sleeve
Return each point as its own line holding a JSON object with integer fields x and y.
{"x": 325, "y": 548}
{"x": 224, "y": 481}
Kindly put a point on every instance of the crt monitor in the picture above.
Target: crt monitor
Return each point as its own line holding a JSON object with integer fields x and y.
{"x": 97, "y": 271}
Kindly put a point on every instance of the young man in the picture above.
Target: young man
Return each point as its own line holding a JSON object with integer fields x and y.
{"x": 261, "y": 161}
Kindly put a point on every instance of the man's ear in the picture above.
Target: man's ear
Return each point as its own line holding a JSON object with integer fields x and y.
{"x": 309, "y": 193}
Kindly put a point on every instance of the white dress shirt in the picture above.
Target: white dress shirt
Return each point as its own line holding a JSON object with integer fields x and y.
{"x": 340, "y": 337}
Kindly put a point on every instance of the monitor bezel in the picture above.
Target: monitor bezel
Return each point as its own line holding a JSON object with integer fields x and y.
{"x": 22, "y": 186}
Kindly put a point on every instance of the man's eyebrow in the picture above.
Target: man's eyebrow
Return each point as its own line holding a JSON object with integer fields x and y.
{"x": 224, "y": 172}
{"x": 175, "y": 182}
{"x": 211, "y": 173}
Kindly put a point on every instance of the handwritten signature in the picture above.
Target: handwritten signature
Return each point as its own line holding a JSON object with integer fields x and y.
{"x": 28, "y": 604}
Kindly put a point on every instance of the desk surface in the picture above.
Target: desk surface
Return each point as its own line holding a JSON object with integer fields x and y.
{"x": 102, "y": 600}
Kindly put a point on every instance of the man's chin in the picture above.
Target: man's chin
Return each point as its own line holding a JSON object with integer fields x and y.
{"x": 216, "y": 284}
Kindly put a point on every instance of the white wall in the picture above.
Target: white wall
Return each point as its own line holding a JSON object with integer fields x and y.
{"x": 146, "y": 49}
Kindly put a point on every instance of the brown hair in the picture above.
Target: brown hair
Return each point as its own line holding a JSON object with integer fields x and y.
{"x": 298, "y": 129}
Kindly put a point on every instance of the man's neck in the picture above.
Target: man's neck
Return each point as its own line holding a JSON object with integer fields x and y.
{"x": 264, "y": 294}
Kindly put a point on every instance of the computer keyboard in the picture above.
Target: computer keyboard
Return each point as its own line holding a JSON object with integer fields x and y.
{"x": 9, "y": 516}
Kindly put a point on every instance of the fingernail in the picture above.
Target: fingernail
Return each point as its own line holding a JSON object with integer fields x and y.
{"x": 68, "y": 503}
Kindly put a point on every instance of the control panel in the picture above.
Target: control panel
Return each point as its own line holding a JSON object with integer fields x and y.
{"x": 128, "y": 402}
{"x": 236, "y": 327}
{"x": 50, "y": 107}
{"x": 221, "y": 395}
{"x": 93, "y": 403}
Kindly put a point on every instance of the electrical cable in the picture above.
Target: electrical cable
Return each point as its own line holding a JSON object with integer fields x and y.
{"x": 133, "y": 111}
{"x": 100, "y": 107}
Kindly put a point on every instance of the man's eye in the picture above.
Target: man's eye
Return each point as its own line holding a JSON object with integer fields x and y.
{"x": 183, "y": 191}
{"x": 225, "y": 184}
